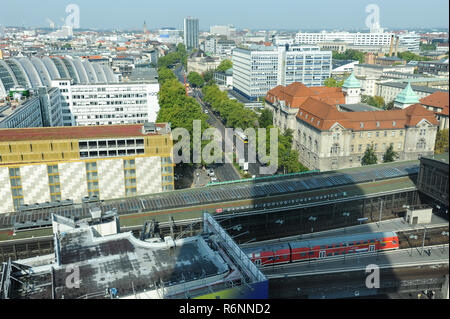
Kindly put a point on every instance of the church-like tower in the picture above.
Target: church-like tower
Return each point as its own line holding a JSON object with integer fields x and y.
{"x": 352, "y": 90}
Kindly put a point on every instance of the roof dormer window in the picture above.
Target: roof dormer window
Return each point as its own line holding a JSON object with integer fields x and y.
{"x": 394, "y": 124}
{"x": 362, "y": 125}
{"x": 378, "y": 124}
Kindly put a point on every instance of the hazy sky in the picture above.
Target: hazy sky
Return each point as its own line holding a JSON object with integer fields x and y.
{"x": 253, "y": 14}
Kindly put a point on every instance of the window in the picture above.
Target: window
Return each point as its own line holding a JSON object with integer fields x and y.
{"x": 369, "y": 135}
{"x": 393, "y": 133}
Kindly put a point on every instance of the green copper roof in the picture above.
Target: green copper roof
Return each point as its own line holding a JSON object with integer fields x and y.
{"x": 352, "y": 82}
{"x": 407, "y": 96}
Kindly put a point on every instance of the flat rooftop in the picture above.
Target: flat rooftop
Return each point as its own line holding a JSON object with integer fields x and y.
{"x": 130, "y": 265}
{"x": 87, "y": 132}
{"x": 444, "y": 158}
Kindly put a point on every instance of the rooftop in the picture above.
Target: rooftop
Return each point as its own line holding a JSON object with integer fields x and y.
{"x": 358, "y": 107}
{"x": 437, "y": 99}
{"x": 351, "y": 82}
{"x": 444, "y": 158}
{"x": 407, "y": 96}
{"x": 297, "y": 93}
{"x": 125, "y": 263}
{"x": 64, "y": 133}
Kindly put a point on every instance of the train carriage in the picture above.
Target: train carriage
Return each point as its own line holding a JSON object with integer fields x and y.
{"x": 297, "y": 251}
{"x": 270, "y": 254}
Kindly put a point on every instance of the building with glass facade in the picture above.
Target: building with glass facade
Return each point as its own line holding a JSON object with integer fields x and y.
{"x": 258, "y": 69}
{"x": 191, "y": 32}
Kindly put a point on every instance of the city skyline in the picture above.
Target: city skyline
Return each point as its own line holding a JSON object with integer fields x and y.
{"x": 98, "y": 15}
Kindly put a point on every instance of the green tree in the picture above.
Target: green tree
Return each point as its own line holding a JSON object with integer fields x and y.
{"x": 442, "y": 140}
{"x": 390, "y": 155}
{"x": 370, "y": 158}
{"x": 390, "y": 106}
{"x": 195, "y": 79}
{"x": 349, "y": 55}
{"x": 266, "y": 118}
{"x": 409, "y": 56}
{"x": 332, "y": 83}
{"x": 208, "y": 77}
{"x": 376, "y": 101}
{"x": 224, "y": 65}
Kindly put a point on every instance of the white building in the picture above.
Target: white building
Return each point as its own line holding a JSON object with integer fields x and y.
{"x": 226, "y": 30}
{"x": 260, "y": 68}
{"x": 379, "y": 38}
{"x": 410, "y": 42}
{"x": 108, "y": 104}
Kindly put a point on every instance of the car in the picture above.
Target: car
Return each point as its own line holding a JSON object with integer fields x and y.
{"x": 214, "y": 180}
{"x": 206, "y": 112}
{"x": 211, "y": 172}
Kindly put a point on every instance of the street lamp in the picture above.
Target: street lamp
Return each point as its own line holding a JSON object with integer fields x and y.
{"x": 312, "y": 219}
{"x": 381, "y": 211}
{"x": 414, "y": 237}
{"x": 424, "y": 235}
{"x": 443, "y": 245}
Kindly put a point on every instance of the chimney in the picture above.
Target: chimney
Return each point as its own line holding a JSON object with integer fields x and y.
{"x": 392, "y": 46}
{"x": 396, "y": 46}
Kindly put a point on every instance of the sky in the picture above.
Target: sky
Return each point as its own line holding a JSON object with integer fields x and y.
{"x": 251, "y": 14}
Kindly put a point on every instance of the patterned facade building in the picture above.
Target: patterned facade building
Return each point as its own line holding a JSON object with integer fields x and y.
{"x": 39, "y": 165}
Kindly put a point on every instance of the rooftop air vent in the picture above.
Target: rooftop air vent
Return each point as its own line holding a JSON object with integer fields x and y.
{"x": 149, "y": 128}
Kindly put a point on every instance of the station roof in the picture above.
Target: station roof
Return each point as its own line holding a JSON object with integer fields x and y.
{"x": 67, "y": 133}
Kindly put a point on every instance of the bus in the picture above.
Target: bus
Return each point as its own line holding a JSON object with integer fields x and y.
{"x": 241, "y": 136}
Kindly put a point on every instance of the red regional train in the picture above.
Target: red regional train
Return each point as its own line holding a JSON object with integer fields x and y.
{"x": 296, "y": 251}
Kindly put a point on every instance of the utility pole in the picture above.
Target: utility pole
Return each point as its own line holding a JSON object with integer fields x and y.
{"x": 424, "y": 235}
{"x": 381, "y": 211}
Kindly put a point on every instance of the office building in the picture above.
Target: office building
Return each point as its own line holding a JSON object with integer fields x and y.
{"x": 191, "y": 33}
{"x": 39, "y": 165}
{"x": 42, "y": 109}
{"x": 258, "y": 69}
{"x": 108, "y": 104}
{"x": 363, "y": 39}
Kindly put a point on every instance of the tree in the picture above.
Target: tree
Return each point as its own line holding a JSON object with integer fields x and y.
{"x": 349, "y": 55}
{"x": 208, "y": 77}
{"x": 442, "y": 140}
{"x": 265, "y": 119}
{"x": 390, "y": 155}
{"x": 376, "y": 101}
{"x": 332, "y": 83}
{"x": 370, "y": 158}
{"x": 195, "y": 79}
{"x": 224, "y": 65}
{"x": 390, "y": 106}
{"x": 409, "y": 56}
